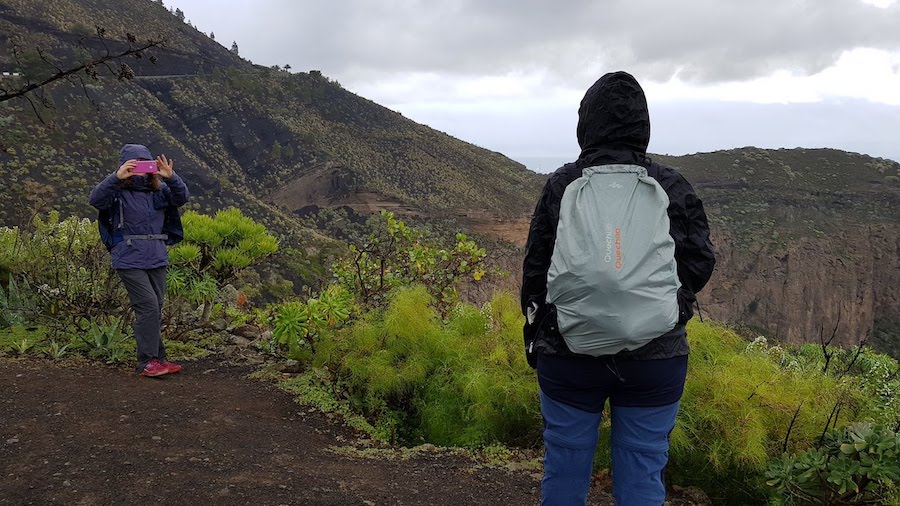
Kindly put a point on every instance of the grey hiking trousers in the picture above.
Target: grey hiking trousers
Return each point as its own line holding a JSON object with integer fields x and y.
{"x": 146, "y": 291}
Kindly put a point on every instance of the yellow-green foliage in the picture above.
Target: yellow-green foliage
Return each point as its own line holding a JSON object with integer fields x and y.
{"x": 214, "y": 250}
{"x": 739, "y": 402}
{"x": 227, "y": 242}
{"x": 397, "y": 255}
{"x": 18, "y": 340}
{"x": 179, "y": 350}
{"x": 463, "y": 381}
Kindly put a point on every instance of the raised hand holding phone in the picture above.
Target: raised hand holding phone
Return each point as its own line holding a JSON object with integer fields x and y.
{"x": 166, "y": 166}
{"x": 126, "y": 170}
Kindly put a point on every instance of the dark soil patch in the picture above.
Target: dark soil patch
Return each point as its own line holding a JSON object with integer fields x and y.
{"x": 91, "y": 435}
{"x": 83, "y": 434}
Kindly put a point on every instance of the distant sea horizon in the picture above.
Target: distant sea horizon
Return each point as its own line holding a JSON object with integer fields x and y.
{"x": 543, "y": 164}
{"x": 549, "y": 163}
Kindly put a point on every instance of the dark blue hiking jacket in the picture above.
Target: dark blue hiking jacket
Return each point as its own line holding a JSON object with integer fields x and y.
{"x": 135, "y": 209}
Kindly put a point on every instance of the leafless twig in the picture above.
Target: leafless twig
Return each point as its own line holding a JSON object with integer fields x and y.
{"x": 89, "y": 67}
{"x": 828, "y": 354}
{"x": 791, "y": 427}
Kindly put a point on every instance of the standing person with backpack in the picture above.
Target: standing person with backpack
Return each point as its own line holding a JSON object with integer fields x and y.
{"x": 617, "y": 250}
{"x": 138, "y": 218}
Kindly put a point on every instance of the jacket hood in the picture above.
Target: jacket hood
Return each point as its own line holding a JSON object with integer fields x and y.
{"x": 134, "y": 152}
{"x": 613, "y": 116}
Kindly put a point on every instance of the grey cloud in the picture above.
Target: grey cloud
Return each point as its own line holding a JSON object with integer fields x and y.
{"x": 704, "y": 40}
{"x": 851, "y": 125}
{"x": 548, "y": 134}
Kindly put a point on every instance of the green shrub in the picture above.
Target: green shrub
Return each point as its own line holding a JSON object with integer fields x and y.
{"x": 745, "y": 404}
{"x": 856, "y": 465}
{"x": 215, "y": 249}
{"x": 395, "y": 255}
{"x": 15, "y": 304}
{"x": 60, "y": 276}
{"x": 298, "y": 326}
{"x": 463, "y": 381}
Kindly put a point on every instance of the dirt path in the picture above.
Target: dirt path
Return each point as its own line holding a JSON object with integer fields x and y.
{"x": 93, "y": 435}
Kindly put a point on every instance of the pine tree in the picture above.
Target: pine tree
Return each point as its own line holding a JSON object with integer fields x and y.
{"x": 179, "y": 14}
{"x": 212, "y": 35}
{"x": 234, "y": 48}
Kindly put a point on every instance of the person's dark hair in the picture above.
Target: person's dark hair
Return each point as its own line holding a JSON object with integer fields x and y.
{"x": 150, "y": 180}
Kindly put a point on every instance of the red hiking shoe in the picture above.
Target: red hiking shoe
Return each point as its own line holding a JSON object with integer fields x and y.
{"x": 172, "y": 367}
{"x": 154, "y": 368}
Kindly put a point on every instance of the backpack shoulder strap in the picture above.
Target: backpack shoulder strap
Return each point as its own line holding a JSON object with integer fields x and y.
{"x": 172, "y": 226}
{"x": 110, "y": 221}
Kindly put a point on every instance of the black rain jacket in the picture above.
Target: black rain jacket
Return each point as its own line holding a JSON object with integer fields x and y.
{"x": 614, "y": 128}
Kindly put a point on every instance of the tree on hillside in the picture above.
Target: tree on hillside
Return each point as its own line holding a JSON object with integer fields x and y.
{"x": 179, "y": 14}
{"x": 234, "y": 48}
{"x": 287, "y": 67}
{"x": 212, "y": 35}
{"x": 276, "y": 151}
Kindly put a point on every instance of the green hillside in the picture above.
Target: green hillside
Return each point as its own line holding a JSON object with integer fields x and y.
{"x": 806, "y": 237}
{"x": 238, "y": 131}
{"x": 799, "y": 191}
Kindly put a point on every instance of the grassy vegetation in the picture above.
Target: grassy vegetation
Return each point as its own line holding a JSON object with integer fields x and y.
{"x": 413, "y": 368}
{"x": 461, "y": 382}
{"x": 237, "y": 131}
{"x": 747, "y": 403}
{"x": 416, "y": 378}
{"x": 60, "y": 297}
{"x": 417, "y": 366}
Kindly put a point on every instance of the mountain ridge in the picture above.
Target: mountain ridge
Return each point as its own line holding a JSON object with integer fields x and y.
{"x": 806, "y": 237}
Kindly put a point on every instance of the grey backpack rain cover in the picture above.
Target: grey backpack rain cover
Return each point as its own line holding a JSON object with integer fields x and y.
{"x": 613, "y": 276}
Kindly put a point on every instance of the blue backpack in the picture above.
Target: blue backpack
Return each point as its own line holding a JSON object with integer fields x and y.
{"x": 110, "y": 223}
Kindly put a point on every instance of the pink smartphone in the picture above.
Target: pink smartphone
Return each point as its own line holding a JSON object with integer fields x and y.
{"x": 145, "y": 167}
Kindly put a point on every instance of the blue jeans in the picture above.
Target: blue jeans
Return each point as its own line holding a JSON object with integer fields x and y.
{"x": 639, "y": 436}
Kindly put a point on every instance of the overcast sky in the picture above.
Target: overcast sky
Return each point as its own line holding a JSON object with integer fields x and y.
{"x": 508, "y": 75}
